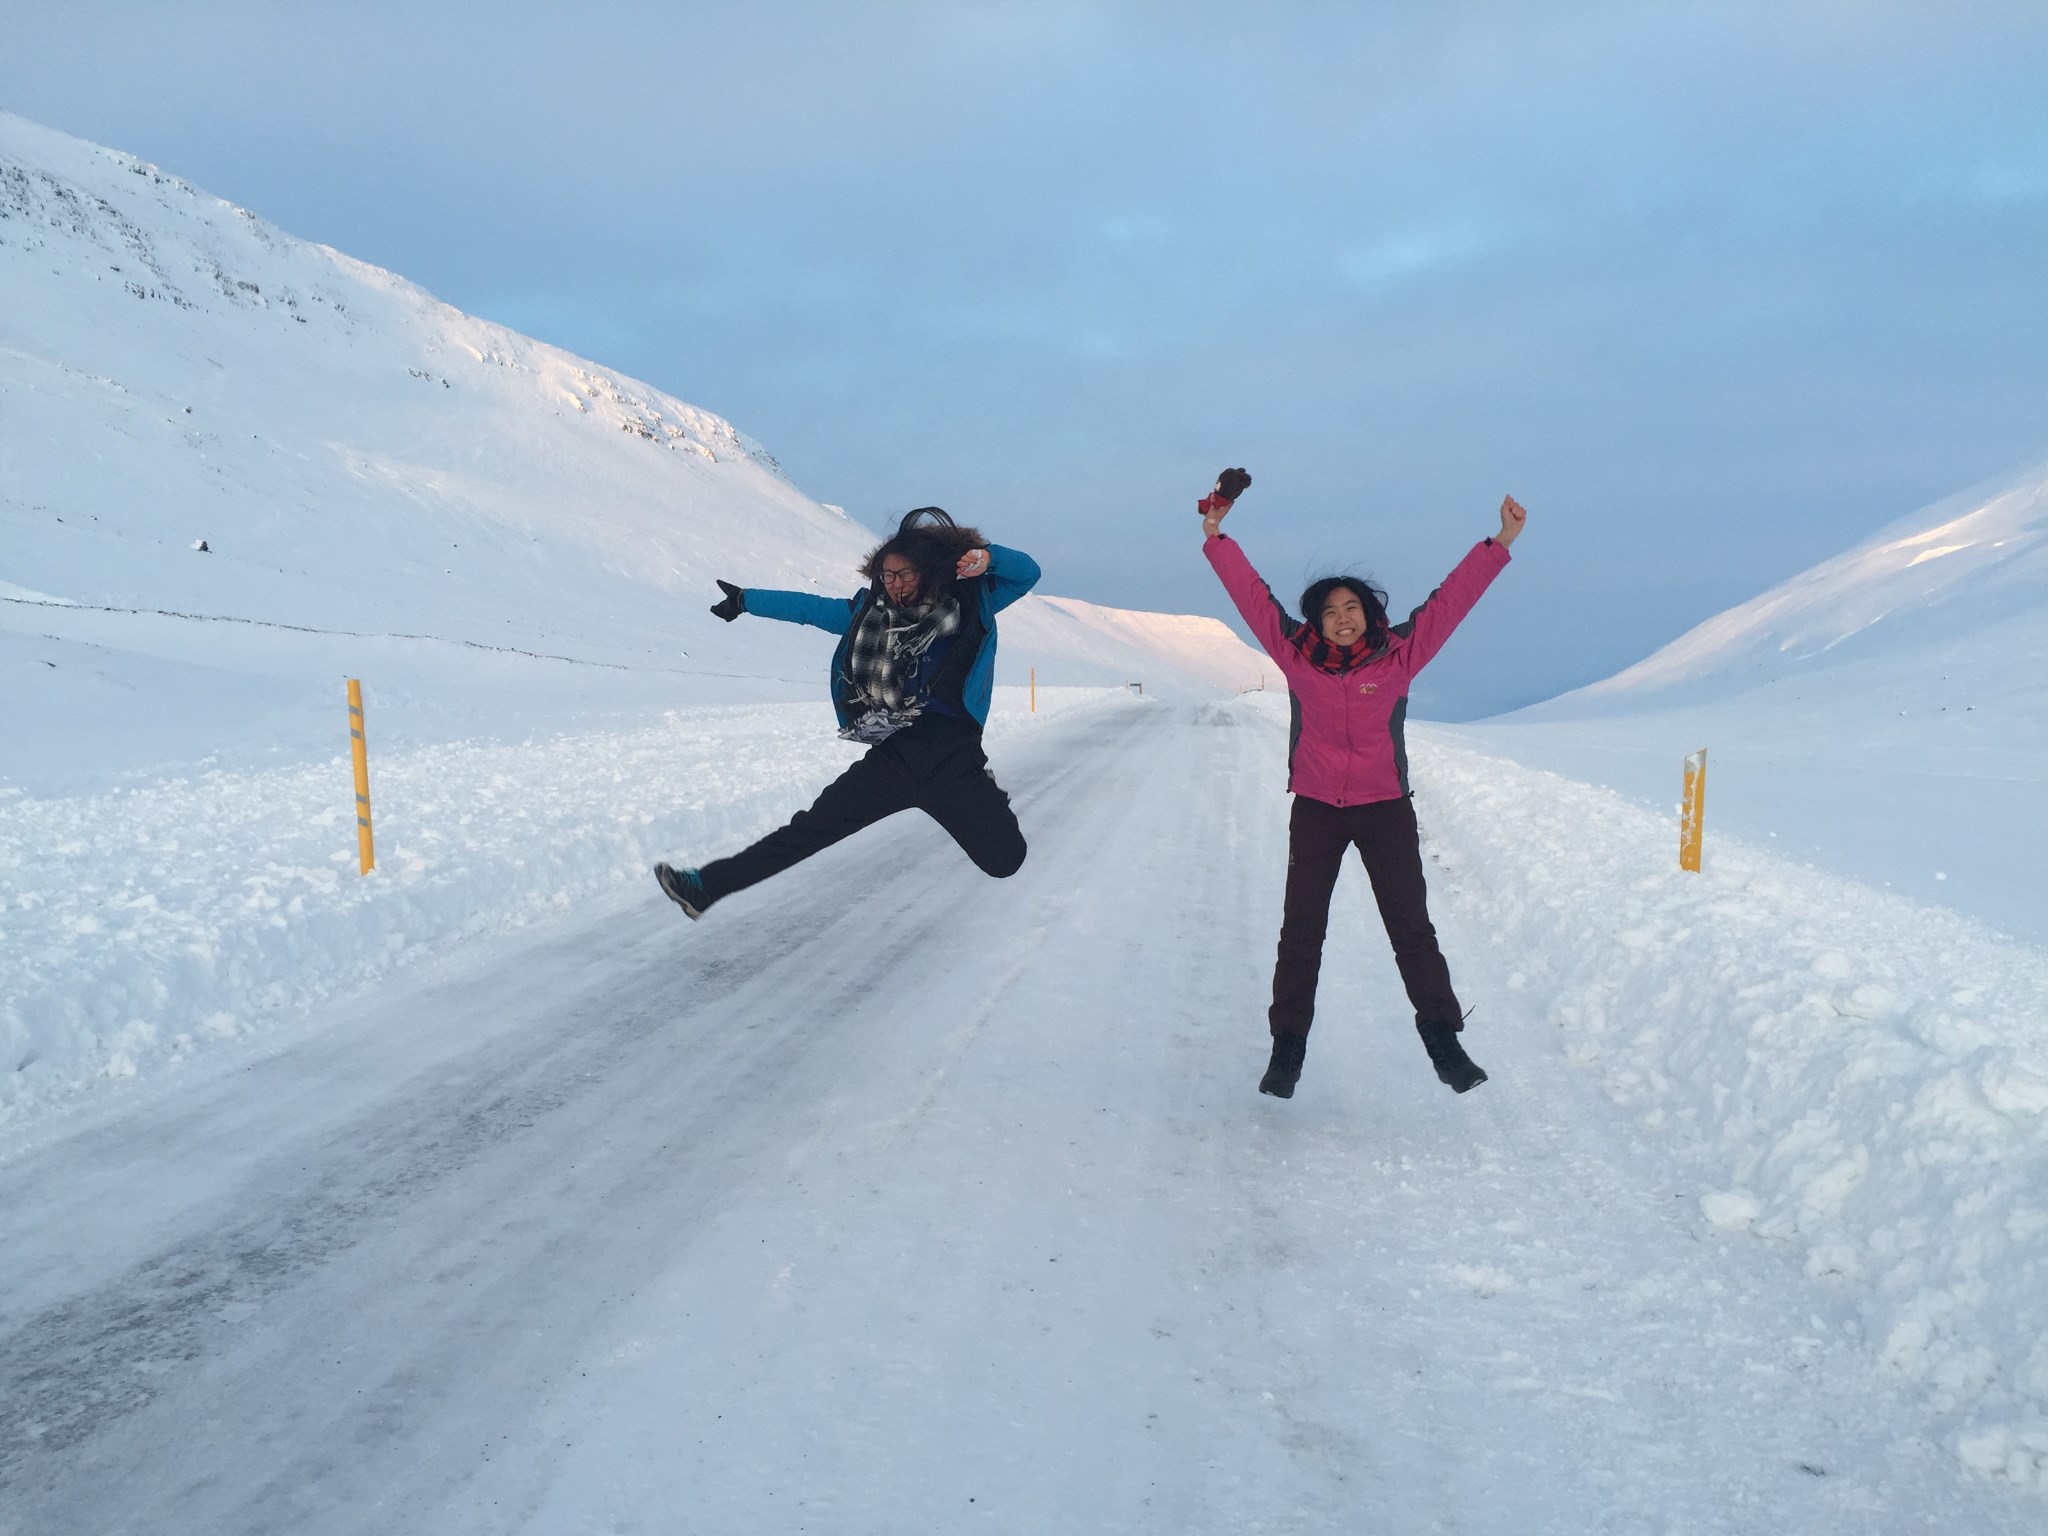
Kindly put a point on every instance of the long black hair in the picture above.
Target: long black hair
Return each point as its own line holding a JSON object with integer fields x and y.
{"x": 1370, "y": 597}
{"x": 930, "y": 540}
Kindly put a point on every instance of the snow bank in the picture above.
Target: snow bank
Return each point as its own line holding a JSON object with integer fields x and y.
{"x": 1853, "y": 1075}
{"x": 137, "y": 925}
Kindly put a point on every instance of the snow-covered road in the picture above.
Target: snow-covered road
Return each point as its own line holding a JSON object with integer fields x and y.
{"x": 891, "y": 1198}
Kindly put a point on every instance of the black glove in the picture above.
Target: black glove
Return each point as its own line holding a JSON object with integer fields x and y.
{"x": 1232, "y": 483}
{"x": 734, "y": 603}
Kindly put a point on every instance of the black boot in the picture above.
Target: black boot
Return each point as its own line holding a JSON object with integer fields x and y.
{"x": 1285, "y": 1067}
{"x": 1447, "y": 1055}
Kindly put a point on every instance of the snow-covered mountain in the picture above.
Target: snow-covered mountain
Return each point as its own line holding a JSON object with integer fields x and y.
{"x": 1876, "y": 712}
{"x": 361, "y": 461}
{"x": 1953, "y": 594}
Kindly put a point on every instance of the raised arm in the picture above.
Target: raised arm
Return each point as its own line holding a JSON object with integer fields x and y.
{"x": 1011, "y": 573}
{"x": 1269, "y": 622}
{"x": 1428, "y": 627}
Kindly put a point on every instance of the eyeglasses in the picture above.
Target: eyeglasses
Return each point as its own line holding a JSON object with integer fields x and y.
{"x": 897, "y": 578}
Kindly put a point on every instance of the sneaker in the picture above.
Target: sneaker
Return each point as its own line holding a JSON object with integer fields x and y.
{"x": 683, "y": 887}
{"x": 1284, "y": 1069}
{"x": 1447, "y": 1055}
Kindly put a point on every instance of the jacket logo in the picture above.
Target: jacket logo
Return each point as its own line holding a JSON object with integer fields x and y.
{"x": 1368, "y": 687}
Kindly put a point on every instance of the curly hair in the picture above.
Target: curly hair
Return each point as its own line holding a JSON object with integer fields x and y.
{"x": 930, "y": 540}
{"x": 1370, "y": 597}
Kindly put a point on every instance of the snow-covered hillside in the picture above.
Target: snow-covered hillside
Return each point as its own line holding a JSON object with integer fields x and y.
{"x": 503, "y": 536}
{"x": 1884, "y": 713}
{"x": 1957, "y": 578}
{"x": 355, "y": 454}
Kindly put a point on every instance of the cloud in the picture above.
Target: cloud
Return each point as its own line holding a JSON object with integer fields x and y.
{"x": 1397, "y": 258}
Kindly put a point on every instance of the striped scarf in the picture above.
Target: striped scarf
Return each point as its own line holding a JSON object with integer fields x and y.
{"x": 888, "y": 645}
{"x": 1335, "y": 659}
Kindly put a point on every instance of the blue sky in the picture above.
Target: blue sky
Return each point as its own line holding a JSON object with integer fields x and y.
{"x": 1714, "y": 288}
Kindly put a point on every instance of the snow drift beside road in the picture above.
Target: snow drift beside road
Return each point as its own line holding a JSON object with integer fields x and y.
{"x": 138, "y": 925}
{"x": 1856, "y": 1077}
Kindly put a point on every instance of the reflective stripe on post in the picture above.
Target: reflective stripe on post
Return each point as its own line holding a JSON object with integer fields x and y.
{"x": 1693, "y": 812}
{"x": 364, "y": 853}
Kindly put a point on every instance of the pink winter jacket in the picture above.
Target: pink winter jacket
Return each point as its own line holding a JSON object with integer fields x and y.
{"x": 1347, "y": 746}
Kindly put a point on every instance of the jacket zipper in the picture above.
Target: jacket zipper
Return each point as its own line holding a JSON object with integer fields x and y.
{"x": 1344, "y": 784}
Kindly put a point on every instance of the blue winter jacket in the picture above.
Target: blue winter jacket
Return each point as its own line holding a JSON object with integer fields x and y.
{"x": 1009, "y": 576}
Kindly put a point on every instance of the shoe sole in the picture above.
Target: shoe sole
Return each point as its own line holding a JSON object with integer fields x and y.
{"x": 1463, "y": 1087}
{"x": 662, "y": 875}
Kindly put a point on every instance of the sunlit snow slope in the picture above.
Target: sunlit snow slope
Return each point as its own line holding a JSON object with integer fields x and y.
{"x": 1956, "y": 593}
{"x": 1884, "y": 713}
{"x": 363, "y": 460}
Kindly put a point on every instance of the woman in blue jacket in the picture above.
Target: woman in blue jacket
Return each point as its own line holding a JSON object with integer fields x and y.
{"x": 912, "y": 677}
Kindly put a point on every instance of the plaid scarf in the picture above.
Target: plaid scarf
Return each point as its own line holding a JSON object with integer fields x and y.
{"x": 1334, "y": 659}
{"x": 887, "y": 643}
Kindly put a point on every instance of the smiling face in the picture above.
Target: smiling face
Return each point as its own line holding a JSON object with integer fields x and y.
{"x": 1343, "y": 618}
{"x": 900, "y": 580}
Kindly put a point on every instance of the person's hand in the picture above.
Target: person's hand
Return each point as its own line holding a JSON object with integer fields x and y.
{"x": 733, "y": 604}
{"x": 1513, "y": 518}
{"x": 973, "y": 563}
{"x": 1215, "y": 506}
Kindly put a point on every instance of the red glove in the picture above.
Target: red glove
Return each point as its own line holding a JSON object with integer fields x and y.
{"x": 1230, "y": 485}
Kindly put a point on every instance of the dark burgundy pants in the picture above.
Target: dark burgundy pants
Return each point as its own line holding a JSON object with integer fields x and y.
{"x": 1384, "y": 833}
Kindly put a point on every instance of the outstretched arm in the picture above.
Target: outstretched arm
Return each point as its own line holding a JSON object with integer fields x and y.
{"x": 832, "y": 614}
{"x": 1428, "y": 627}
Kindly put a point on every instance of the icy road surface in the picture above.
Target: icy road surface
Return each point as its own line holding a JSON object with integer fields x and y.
{"x": 893, "y": 1198}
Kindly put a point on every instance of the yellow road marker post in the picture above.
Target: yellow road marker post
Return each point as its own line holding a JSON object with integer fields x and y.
{"x": 1034, "y": 690}
{"x": 365, "y": 855}
{"x": 1693, "y": 814}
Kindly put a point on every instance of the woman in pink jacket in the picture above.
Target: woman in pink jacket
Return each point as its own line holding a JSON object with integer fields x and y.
{"x": 1349, "y": 671}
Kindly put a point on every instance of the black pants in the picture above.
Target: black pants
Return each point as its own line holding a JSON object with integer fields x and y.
{"x": 1385, "y": 835}
{"x": 935, "y": 766}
